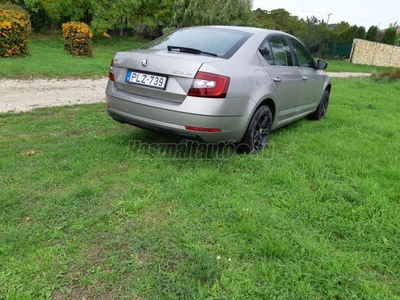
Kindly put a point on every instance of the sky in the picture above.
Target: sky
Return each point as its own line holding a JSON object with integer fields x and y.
{"x": 356, "y": 12}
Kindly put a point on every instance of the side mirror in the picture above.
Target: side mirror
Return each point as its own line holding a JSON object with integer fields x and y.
{"x": 322, "y": 65}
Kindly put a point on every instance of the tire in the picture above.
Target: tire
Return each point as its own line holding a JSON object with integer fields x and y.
{"x": 257, "y": 134}
{"x": 322, "y": 108}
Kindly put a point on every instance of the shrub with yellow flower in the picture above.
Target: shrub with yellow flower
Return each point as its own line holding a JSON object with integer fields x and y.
{"x": 77, "y": 38}
{"x": 15, "y": 29}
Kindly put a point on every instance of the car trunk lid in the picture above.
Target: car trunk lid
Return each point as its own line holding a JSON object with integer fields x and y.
{"x": 160, "y": 75}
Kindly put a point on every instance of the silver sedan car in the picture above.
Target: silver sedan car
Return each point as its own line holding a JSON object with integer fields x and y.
{"x": 218, "y": 84}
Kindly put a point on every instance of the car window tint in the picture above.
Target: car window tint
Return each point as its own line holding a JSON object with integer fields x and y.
{"x": 280, "y": 51}
{"x": 265, "y": 51}
{"x": 304, "y": 58}
{"x": 223, "y": 42}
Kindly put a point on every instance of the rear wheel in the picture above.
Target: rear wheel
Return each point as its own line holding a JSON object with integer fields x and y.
{"x": 322, "y": 108}
{"x": 257, "y": 134}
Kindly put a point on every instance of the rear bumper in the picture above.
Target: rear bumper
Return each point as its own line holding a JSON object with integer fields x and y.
{"x": 172, "y": 118}
{"x": 178, "y": 129}
{"x": 123, "y": 118}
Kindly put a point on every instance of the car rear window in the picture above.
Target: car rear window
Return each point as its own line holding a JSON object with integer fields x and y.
{"x": 222, "y": 42}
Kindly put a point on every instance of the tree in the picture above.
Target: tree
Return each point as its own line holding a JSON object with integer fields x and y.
{"x": 104, "y": 15}
{"x": 318, "y": 35}
{"x": 372, "y": 34}
{"x": 341, "y": 27}
{"x": 390, "y": 36}
{"x": 279, "y": 19}
{"x": 208, "y": 12}
{"x": 360, "y": 33}
{"x": 349, "y": 34}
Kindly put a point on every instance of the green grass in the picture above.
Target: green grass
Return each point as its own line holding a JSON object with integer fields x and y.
{"x": 344, "y": 66}
{"x": 49, "y": 59}
{"x": 86, "y": 213}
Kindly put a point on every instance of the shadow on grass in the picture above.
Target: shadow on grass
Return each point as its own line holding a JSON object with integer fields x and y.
{"x": 145, "y": 144}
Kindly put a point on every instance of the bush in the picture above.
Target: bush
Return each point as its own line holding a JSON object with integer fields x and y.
{"x": 387, "y": 76}
{"x": 372, "y": 34}
{"x": 390, "y": 36}
{"x": 77, "y": 38}
{"x": 15, "y": 29}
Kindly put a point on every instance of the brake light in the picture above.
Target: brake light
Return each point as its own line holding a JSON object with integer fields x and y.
{"x": 209, "y": 85}
{"x": 111, "y": 72}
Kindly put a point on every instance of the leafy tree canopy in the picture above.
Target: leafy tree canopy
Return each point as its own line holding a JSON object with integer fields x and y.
{"x": 278, "y": 19}
{"x": 372, "y": 34}
{"x": 390, "y": 36}
{"x": 108, "y": 14}
{"x": 206, "y": 12}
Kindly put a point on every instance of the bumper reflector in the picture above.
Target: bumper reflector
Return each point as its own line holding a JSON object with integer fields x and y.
{"x": 192, "y": 128}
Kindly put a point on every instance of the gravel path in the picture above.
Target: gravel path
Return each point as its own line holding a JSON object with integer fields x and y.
{"x": 346, "y": 74}
{"x": 25, "y": 95}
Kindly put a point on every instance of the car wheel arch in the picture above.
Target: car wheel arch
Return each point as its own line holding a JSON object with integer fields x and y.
{"x": 271, "y": 104}
{"x": 258, "y": 130}
{"x": 328, "y": 87}
{"x": 268, "y": 102}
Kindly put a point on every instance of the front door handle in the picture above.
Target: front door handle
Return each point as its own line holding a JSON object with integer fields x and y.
{"x": 305, "y": 78}
{"x": 277, "y": 79}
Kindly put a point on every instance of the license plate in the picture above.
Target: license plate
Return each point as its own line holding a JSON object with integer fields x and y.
{"x": 151, "y": 80}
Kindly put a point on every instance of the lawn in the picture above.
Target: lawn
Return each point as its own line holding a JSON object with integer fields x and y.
{"x": 92, "y": 209}
{"x": 48, "y": 59}
{"x": 345, "y": 66}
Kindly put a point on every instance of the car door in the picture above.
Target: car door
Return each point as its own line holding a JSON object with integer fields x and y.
{"x": 286, "y": 79}
{"x": 312, "y": 80}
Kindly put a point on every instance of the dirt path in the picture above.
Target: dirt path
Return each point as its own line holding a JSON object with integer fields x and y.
{"x": 25, "y": 95}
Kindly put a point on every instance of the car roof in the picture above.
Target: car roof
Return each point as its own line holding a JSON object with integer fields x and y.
{"x": 251, "y": 30}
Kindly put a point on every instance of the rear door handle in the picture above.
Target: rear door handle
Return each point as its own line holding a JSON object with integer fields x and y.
{"x": 277, "y": 79}
{"x": 305, "y": 78}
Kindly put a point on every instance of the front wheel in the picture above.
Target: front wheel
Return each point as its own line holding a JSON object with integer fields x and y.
{"x": 257, "y": 134}
{"x": 322, "y": 108}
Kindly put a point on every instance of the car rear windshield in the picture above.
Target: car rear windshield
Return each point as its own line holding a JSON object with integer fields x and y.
{"x": 222, "y": 42}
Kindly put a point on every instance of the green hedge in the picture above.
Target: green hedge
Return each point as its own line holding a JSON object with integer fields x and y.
{"x": 15, "y": 29}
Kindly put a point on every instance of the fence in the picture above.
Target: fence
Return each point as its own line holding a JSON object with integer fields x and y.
{"x": 375, "y": 54}
{"x": 338, "y": 50}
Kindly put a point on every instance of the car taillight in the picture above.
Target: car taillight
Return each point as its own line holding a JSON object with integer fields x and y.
{"x": 111, "y": 72}
{"x": 209, "y": 85}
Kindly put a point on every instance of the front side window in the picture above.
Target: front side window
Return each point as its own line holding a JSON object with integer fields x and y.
{"x": 280, "y": 51}
{"x": 304, "y": 58}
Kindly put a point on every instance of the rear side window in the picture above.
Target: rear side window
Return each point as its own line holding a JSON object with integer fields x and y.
{"x": 280, "y": 51}
{"x": 222, "y": 42}
{"x": 265, "y": 51}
